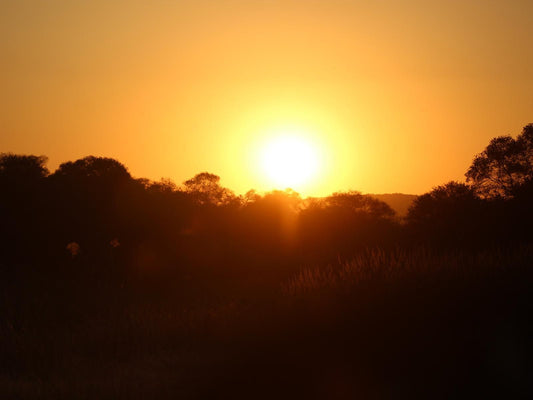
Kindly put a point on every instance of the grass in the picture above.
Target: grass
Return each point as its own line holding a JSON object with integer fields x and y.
{"x": 385, "y": 324}
{"x": 375, "y": 264}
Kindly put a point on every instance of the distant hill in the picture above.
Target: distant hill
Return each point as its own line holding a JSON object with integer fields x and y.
{"x": 399, "y": 202}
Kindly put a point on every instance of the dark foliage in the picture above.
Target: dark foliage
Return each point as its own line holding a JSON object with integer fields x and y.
{"x": 117, "y": 287}
{"x": 504, "y": 166}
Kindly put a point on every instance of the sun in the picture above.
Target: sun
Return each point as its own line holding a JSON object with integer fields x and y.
{"x": 289, "y": 161}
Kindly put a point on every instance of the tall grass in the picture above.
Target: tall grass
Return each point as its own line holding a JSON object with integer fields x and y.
{"x": 412, "y": 317}
{"x": 377, "y": 265}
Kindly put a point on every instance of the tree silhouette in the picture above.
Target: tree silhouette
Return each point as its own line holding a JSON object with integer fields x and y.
{"x": 356, "y": 202}
{"x": 343, "y": 222}
{"x": 440, "y": 200}
{"x": 21, "y": 168}
{"x": 24, "y": 217}
{"x": 103, "y": 169}
{"x": 21, "y": 177}
{"x": 504, "y": 166}
{"x": 448, "y": 213}
{"x": 86, "y": 195}
{"x": 206, "y": 189}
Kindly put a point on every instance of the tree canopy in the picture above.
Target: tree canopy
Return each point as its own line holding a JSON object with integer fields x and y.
{"x": 22, "y": 167}
{"x": 206, "y": 189}
{"x": 504, "y": 166}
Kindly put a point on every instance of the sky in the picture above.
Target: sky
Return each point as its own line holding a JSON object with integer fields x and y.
{"x": 395, "y": 96}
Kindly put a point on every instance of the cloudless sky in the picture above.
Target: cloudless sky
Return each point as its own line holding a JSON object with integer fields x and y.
{"x": 397, "y": 95}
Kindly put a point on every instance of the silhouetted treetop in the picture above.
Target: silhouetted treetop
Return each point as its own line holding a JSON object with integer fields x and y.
{"x": 165, "y": 185}
{"x": 504, "y": 166}
{"x": 441, "y": 203}
{"x": 206, "y": 189}
{"x": 22, "y": 167}
{"x": 94, "y": 167}
{"x": 277, "y": 201}
{"x": 87, "y": 195}
{"x": 250, "y": 196}
{"x": 354, "y": 202}
{"x": 449, "y": 214}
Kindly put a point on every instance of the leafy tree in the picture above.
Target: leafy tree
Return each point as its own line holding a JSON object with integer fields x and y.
{"x": 273, "y": 208}
{"x": 86, "y": 200}
{"x": 342, "y": 223}
{"x": 251, "y": 196}
{"x": 21, "y": 169}
{"x": 448, "y": 214}
{"x": 102, "y": 169}
{"x": 206, "y": 189}
{"x": 93, "y": 181}
{"x": 267, "y": 223}
{"x": 356, "y": 202}
{"x": 22, "y": 179}
{"x": 23, "y": 212}
{"x": 441, "y": 204}
{"x": 504, "y": 166}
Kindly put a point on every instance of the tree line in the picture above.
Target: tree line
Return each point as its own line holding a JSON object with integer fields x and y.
{"x": 91, "y": 215}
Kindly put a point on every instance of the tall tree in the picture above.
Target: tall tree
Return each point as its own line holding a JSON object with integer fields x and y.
{"x": 504, "y": 166}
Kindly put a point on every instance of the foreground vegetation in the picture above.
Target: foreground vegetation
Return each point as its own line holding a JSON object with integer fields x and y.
{"x": 122, "y": 288}
{"x": 383, "y": 325}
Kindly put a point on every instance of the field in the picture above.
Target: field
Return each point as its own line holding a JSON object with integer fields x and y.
{"x": 385, "y": 324}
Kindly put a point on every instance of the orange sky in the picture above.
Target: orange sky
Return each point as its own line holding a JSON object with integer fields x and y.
{"x": 398, "y": 95}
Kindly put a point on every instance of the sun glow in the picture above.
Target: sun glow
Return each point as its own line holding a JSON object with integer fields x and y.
{"x": 290, "y": 161}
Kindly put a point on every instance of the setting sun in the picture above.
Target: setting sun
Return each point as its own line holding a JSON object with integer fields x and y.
{"x": 289, "y": 161}
{"x": 290, "y": 199}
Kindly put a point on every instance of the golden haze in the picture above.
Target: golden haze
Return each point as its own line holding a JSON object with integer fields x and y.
{"x": 399, "y": 94}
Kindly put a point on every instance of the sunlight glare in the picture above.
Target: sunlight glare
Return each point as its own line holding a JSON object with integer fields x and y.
{"x": 289, "y": 161}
